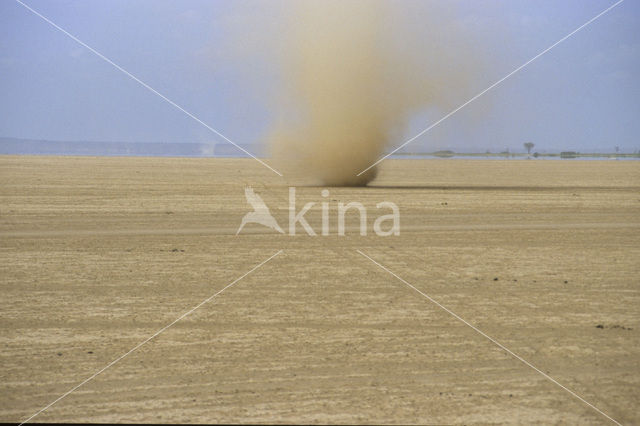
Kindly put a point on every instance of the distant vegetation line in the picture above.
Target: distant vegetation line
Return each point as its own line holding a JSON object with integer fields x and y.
{"x": 561, "y": 154}
{"x": 16, "y": 146}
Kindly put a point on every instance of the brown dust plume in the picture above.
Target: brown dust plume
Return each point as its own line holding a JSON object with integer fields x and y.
{"x": 351, "y": 75}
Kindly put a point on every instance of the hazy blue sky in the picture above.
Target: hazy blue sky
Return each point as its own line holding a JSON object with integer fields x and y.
{"x": 583, "y": 95}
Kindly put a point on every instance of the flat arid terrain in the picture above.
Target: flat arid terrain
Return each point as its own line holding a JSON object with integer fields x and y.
{"x": 495, "y": 260}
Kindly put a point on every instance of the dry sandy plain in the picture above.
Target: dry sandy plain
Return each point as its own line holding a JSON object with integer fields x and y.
{"x": 98, "y": 254}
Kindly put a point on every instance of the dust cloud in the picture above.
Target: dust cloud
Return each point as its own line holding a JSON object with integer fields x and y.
{"x": 351, "y": 74}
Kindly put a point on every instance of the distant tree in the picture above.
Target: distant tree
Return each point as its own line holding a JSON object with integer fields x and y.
{"x": 529, "y": 146}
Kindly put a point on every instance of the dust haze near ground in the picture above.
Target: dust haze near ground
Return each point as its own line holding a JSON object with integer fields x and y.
{"x": 351, "y": 75}
{"x": 100, "y": 253}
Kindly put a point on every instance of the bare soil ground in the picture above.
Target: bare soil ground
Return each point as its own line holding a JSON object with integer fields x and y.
{"x": 98, "y": 254}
